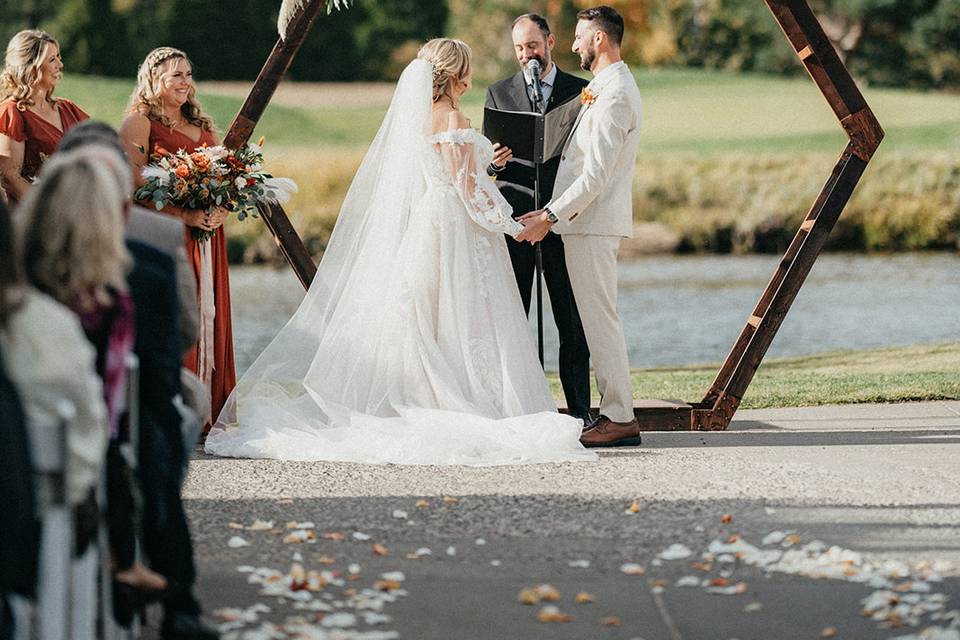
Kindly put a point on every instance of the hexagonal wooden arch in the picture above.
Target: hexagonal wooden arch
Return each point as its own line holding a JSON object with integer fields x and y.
{"x": 722, "y": 399}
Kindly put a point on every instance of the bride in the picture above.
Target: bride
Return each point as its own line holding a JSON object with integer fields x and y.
{"x": 411, "y": 345}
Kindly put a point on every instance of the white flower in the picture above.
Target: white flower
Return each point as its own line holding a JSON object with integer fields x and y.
{"x": 153, "y": 171}
{"x": 280, "y": 189}
{"x": 241, "y": 182}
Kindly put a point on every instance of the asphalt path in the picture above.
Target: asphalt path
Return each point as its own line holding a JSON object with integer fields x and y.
{"x": 795, "y": 523}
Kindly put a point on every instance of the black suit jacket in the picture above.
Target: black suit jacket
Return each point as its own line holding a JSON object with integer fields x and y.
{"x": 510, "y": 94}
{"x": 153, "y": 287}
{"x": 20, "y": 533}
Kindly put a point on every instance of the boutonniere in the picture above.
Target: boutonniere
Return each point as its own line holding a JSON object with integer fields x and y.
{"x": 587, "y": 97}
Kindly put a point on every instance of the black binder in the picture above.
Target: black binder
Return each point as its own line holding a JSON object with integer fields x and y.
{"x": 532, "y": 136}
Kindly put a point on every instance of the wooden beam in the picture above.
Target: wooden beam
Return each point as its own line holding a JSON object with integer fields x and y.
{"x": 277, "y": 64}
{"x": 864, "y": 134}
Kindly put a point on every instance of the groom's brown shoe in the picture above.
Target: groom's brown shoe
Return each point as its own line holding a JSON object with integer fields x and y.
{"x": 606, "y": 433}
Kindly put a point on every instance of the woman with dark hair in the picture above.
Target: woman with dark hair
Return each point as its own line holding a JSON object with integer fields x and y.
{"x": 20, "y": 535}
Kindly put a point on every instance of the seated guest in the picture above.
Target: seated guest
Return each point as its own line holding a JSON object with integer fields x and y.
{"x": 73, "y": 251}
{"x": 166, "y": 234}
{"x": 50, "y": 362}
{"x": 153, "y": 285}
{"x": 20, "y": 535}
{"x": 32, "y": 120}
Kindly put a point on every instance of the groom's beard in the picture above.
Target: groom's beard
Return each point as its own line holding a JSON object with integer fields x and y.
{"x": 587, "y": 57}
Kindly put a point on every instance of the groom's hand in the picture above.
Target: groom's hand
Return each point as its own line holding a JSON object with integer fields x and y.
{"x": 535, "y": 226}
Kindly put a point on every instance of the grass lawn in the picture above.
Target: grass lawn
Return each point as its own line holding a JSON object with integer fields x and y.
{"x": 923, "y": 372}
{"x": 704, "y": 112}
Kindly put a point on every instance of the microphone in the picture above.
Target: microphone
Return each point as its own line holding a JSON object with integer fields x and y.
{"x": 534, "y": 67}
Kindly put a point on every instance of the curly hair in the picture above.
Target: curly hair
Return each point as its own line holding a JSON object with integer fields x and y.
{"x": 146, "y": 99}
{"x": 451, "y": 60}
{"x": 71, "y": 225}
{"x": 21, "y": 70}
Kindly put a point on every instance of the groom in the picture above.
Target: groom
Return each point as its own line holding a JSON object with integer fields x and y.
{"x": 592, "y": 209}
{"x": 532, "y": 40}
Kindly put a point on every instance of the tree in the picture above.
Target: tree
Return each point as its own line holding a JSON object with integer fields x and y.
{"x": 934, "y": 46}
{"x": 92, "y": 36}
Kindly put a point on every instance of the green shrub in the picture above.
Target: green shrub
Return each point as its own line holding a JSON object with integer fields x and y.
{"x": 719, "y": 204}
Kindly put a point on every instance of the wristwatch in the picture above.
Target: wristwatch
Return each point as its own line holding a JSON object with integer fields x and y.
{"x": 551, "y": 216}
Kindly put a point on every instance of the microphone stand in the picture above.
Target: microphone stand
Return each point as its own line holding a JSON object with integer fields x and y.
{"x": 538, "y": 253}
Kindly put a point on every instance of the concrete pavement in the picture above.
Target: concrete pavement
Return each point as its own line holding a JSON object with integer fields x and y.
{"x": 879, "y": 483}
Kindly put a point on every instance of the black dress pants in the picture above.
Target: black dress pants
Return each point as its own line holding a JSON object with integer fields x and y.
{"x": 574, "y": 356}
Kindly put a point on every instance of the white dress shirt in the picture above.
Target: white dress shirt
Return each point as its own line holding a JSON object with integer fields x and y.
{"x": 546, "y": 84}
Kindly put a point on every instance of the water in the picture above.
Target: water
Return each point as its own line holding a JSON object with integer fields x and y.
{"x": 681, "y": 310}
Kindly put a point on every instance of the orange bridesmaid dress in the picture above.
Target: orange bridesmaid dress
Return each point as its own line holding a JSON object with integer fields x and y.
{"x": 39, "y": 137}
{"x": 212, "y": 363}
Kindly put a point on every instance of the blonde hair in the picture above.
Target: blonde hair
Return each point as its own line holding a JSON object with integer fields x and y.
{"x": 146, "y": 99}
{"x": 21, "y": 70}
{"x": 451, "y": 60}
{"x": 72, "y": 227}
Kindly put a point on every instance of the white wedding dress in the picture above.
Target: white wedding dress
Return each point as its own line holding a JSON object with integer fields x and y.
{"x": 411, "y": 345}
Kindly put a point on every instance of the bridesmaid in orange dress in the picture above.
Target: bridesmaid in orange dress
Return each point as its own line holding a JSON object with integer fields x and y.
{"x": 32, "y": 121}
{"x": 164, "y": 112}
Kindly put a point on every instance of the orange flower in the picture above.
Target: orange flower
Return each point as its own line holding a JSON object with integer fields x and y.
{"x": 182, "y": 171}
{"x": 587, "y": 97}
{"x": 199, "y": 159}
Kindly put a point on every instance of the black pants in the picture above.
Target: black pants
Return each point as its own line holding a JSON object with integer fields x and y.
{"x": 166, "y": 535}
{"x": 120, "y": 508}
{"x": 574, "y": 357}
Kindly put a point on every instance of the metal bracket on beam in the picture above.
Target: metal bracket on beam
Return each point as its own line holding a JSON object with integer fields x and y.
{"x": 716, "y": 418}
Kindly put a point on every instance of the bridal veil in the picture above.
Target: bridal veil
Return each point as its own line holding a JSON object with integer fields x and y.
{"x": 361, "y": 372}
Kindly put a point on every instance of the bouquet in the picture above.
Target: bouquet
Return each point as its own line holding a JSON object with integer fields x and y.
{"x": 212, "y": 176}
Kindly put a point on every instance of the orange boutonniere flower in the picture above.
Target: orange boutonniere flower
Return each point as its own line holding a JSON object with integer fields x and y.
{"x": 587, "y": 97}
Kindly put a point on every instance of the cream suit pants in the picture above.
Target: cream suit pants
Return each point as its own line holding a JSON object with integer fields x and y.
{"x": 592, "y": 265}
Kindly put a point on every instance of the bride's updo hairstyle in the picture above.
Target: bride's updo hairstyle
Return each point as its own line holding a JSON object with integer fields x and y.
{"x": 451, "y": 64}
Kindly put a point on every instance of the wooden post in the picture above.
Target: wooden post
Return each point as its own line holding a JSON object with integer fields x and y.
{"x": 721, "y": 401}
{"x": 250, "y": 113}
{"x": 826, "y": 69}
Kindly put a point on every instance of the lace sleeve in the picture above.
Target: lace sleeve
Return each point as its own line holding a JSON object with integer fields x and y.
{"x": 483, "y": 201}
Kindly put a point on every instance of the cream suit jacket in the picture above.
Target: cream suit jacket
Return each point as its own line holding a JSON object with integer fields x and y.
{"x": 593, "y": 194}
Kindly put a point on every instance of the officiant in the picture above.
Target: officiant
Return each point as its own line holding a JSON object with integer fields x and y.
{"x": 532, "y": 40}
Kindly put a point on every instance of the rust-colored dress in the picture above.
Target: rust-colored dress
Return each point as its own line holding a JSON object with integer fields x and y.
{"x": 223, "y": 376}
{"x": 40, "y": 137}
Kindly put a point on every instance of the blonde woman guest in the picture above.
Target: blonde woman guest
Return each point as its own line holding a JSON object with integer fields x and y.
{"x": 32, "y": 120}
{"x": 50, "y": 362}
{"x": 165, "y": 113}
{"x": 74, "y": 251}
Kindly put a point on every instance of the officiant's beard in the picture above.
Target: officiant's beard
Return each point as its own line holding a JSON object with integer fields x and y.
{"x": 588, "y": 57}
{"x": 538, "y": 58}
